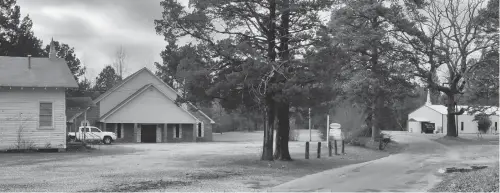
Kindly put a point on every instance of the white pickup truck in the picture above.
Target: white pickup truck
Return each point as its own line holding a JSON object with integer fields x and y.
{"x": 93, "y": 134}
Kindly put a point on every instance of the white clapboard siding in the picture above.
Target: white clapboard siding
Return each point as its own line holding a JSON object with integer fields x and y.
{"x": 21, "y": 108}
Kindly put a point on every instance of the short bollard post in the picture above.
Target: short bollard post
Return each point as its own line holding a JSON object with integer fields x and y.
{"x": 307, "y": 150}
{"x": 335, "y": 144}
{"x": 319, "y": 149}
{"x": 343, "y": 145}
{"x": 329, "y": 148}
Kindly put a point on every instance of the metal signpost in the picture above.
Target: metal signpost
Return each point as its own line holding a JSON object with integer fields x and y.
{"x": 336, "y": 134}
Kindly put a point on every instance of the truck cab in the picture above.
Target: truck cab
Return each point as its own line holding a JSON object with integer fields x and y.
{"x": 91, "y": 133}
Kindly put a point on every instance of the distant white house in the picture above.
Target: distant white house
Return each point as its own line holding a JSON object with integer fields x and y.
{"x": 33, "y": 102}
{"x": 432, "y": 118}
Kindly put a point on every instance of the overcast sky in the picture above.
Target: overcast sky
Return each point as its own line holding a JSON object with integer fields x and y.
{"x": 97, "y": 28}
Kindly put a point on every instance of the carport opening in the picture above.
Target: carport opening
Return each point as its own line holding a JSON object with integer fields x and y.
{"x": 148, "y": 133}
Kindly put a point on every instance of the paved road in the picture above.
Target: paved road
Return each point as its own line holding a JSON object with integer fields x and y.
{"x": 413, "y": 170}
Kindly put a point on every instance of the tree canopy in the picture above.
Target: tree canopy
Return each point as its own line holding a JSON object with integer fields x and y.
{"x": 16, "y": 34}
{"x": 106, "y": 79}
{"x": 454, "y": 36}
{"x": 248, "y": 53}
{"x": 68, "y": 53}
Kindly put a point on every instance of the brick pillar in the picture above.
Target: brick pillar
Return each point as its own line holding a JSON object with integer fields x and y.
{"x": 165, "y": 133}
{"x": 194, "y": 132}
{"x": 137, "y": 132}
{"x": 158, "y": 133}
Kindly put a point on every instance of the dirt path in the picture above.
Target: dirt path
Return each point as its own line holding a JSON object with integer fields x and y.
{"x": 410, "y": 171}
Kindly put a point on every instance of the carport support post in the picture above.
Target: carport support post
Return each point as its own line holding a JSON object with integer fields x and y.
{"x": 307, "y": 149}
{"x": 158, "y": 133}
{"x": 194, "y": 132}
{"x": 137, "y": 132}
{"x": 165, "y": 133}
{"x": 104, "y": 126}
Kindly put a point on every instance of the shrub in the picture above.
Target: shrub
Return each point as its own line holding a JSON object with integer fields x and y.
{"x": 294, "y": 133}
{"x": 352, "y": 119}
{"x": 354, "y": 136}
{"x": 483, "y": 122}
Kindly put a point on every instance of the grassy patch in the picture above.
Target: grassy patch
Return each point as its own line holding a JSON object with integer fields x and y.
{"x": 485, "y": 180}
{"x": 467, "y": 140}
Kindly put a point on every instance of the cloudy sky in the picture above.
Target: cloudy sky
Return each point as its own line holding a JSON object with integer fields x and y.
{"x": 97, "y": 28}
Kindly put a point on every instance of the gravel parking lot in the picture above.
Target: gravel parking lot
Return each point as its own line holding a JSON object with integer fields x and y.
{"x": 229, "y": 164}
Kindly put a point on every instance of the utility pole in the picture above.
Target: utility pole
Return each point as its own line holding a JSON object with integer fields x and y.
{"x": 327, "y": 129}
{"x": 309, "y": 124}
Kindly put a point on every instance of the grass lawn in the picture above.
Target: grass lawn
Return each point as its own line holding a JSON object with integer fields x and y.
{"x": 230, "y": 163}
{"x": 473, "y": 151}
{"x": 466, "y": 139}
{"x": 485, "y": 180}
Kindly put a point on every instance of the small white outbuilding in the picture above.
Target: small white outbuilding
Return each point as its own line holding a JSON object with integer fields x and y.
{"x": 432, "y": 119}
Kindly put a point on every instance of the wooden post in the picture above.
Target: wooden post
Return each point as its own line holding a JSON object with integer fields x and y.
{"x": 307, "y": 149}
{"x": 343, "y": 145}
{"x": 329, "y": 149}
{"x": 335, "y": 143}
{"x": 319, "y": 149}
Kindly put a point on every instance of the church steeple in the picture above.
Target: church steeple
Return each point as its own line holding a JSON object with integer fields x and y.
{"x": 428, "y": 102}
{"x": 52, "y": 52}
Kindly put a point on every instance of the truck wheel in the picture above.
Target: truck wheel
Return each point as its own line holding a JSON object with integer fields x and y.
{"x": 107, "y": 140}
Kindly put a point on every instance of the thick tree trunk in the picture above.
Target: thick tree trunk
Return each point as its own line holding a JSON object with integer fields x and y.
{"x": 376, "y": 115}
{"x": 451, "y": 126}
{"x": 283, "y": 106}
{"x": 368, "y": 122}
{"x": 283, "y": 132}
{"x": 267, "y": 148}
{"x": 374, "y": 120}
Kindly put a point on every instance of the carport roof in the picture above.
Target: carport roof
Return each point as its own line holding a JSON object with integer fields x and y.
{"x": 136, "y": 94}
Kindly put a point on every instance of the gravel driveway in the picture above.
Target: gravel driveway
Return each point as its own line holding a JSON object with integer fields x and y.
{"x": 230, "y": 165}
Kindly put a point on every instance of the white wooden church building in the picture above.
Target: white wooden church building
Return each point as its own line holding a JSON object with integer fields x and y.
{"x": 432, "y": 119}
